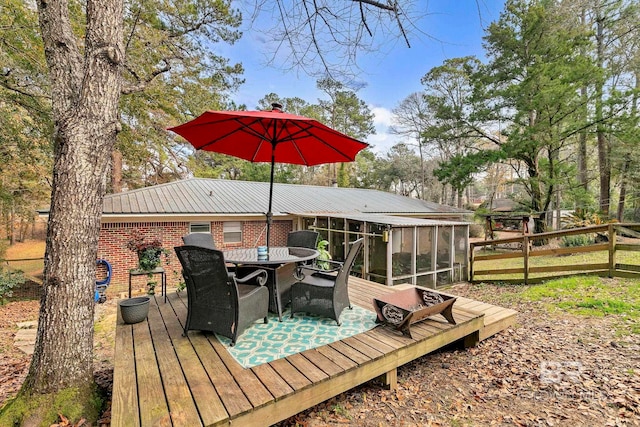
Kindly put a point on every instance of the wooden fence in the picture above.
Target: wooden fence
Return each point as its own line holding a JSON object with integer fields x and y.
{"x": 612, "y": 238}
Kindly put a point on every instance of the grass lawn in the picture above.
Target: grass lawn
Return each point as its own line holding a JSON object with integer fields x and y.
{"x": 591, "y": 296}
{"x": 600, "y": 257}
{"x": 27, "y": 250}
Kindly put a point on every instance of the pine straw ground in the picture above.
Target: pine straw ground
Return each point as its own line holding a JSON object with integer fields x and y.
{"x": 553, "y": 368}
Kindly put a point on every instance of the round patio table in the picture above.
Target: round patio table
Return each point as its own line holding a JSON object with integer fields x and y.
{"x": 281, "y": 265}
{"x": 276, "y": 255}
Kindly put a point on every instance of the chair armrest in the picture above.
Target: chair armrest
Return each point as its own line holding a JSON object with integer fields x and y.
{"x": 304, "y": 271}
{"x": 334, "y": 266}
{"x": 259, "y": 275}
{"x": 325, "y": 274}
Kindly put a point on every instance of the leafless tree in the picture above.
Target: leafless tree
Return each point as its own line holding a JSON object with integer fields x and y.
{"x": 326, "y": 37}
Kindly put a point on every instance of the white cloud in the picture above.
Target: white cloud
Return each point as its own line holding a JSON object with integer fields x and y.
{"x": 383, "y": 140}
{"x": 381, "y": 116}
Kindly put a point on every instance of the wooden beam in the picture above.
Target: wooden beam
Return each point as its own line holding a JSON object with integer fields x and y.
{"x": 389, "y": 379}
{"x": 612, "y": 249}
{"x": 574, "y": 267}
{"x": 627, "y": 247}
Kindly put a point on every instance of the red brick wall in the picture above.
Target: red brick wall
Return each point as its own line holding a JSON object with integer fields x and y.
{"x": 114, "y": 237}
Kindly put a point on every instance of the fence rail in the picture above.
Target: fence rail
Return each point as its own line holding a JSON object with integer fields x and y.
{"x": 31, "y": 267}
{"x": 609, "y": 233}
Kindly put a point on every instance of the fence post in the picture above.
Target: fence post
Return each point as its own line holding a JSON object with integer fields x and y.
{"x": 472, "y": 256}
{"x": 525, "y": 251}
{"x": 612, "y": 250}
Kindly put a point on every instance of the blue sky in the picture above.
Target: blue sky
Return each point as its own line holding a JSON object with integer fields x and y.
{"x": 454, "y": 28}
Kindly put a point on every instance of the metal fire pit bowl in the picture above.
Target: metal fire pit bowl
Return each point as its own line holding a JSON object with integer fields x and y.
{"x": 403, "y": 308}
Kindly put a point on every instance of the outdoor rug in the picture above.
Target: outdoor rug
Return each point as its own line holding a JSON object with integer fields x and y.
{"x": 262, "y": 343}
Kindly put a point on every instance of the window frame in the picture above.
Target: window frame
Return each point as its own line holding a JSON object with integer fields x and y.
{"x": 200, "y": 224}
{"x": 232, "y": 228}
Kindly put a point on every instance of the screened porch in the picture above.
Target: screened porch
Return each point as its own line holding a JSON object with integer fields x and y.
{"x": 398, "y": 250}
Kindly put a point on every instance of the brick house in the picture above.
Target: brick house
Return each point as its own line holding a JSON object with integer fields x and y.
{"x": 233, "y": 212}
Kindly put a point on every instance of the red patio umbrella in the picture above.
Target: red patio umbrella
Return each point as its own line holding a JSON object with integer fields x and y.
{"x": 269, "y": 136}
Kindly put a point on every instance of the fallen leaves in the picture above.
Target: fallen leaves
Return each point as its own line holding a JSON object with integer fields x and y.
{"x": 64, "y": 422}
{"x": 551, "y": 370}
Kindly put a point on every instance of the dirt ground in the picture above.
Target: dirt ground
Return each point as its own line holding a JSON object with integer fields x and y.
{"x": 549, "y": 370}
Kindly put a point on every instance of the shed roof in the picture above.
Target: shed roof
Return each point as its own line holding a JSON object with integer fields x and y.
{"x": 393, "y": 221}
{"x": 216, "y": 196}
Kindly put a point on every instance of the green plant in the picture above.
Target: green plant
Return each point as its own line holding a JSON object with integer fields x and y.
{"x": 180, "y": 280}
{"x": 149, "y": 251}
{"x": 577, "y": 240}
{"x": 583, "y": 218}
{"x": 8, "y": 280}
{"x": 151, "y": 287}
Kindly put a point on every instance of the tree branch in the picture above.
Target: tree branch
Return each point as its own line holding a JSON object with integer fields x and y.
{"x": 143, "y": 84}
{"x": 378, "y": 5}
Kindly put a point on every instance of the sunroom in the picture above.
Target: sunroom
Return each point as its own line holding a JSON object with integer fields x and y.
{"x": 398, "y": 250}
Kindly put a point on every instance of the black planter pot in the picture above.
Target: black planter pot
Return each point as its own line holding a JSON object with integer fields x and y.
{"x": 134, "y": 310}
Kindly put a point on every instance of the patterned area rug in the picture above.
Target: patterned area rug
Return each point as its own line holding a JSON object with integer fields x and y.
{"x": 262, "y": 343}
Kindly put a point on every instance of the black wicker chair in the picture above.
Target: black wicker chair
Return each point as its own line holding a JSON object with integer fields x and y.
{"x": 218, "y": 302}
{"x": 203, "y": 240}
{"x": 303, "y": 239}
{"x": 325, "y": 294}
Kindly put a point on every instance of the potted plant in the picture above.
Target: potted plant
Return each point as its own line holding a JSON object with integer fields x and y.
{"x": 149, "y": 251}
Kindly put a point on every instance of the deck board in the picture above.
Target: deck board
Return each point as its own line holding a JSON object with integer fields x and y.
{"x": 152, "y": 401}
{"x": 163, "y": 378}
{"x": 126, "y": 401}
{"x": 182, "y": 408}
{"x": 208, "y": 403}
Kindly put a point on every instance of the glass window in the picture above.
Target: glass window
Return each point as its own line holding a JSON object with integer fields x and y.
{"x": 232, "y": 231}
{"x": 308, "y": 223}
{"x": 444, "y": 246}
{"x": 424, "y": 250}
{"x": 322, "y": 224}
{"x": 200, "y": 227}
{"x": 426, "y": 280}
{"x": 443, "y": 278}
{"x": 402, "y": 251}
{"x": 460, "y": 244}
{"x": 377, "y": 251}
{"x": 336, "y": 244}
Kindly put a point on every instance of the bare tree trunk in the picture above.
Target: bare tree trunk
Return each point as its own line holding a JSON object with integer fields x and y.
{"x": 623, "y": 190}
{"x": 604, "y": 164}
{"x": 582, "y": 141}
{"x": 583, "y": 178}
{"x": 116, "y": 171}
{"x": 85, "y": 94}
{"x": 626, "y": 166}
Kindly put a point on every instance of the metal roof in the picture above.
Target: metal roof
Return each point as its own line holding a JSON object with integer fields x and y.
{"x": 219, "y": 197}
{"x": 394, "y": 221}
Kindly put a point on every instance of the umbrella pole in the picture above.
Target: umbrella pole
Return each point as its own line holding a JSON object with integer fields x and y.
{"x": 269, "y": 214}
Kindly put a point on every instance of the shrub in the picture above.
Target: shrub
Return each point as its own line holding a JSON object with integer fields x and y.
{"x": 577, "y": 240}
{"x": 476, "y": 230}
{"x": 9, "y": 280}
{"x": 583, "y": 218}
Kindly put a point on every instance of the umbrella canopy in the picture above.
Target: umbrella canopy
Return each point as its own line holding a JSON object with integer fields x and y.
{"x": 269, "y": 136}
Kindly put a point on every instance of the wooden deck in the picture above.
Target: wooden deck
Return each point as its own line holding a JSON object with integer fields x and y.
{"x": 163, "y": 378}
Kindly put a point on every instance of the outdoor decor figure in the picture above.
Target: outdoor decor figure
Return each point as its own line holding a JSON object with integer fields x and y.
{"x": 322, "y": 262}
